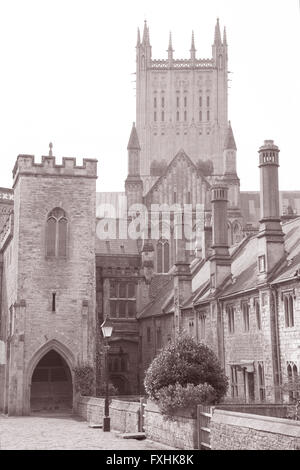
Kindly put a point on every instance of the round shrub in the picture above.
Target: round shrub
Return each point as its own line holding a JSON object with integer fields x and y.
{"x": 176, "y": 397}
{"x": 185, "y": 362}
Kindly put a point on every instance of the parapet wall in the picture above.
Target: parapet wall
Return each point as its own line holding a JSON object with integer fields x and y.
{"x": 26, "y": 165}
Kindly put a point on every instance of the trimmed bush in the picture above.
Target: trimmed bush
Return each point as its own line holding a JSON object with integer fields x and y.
{"x": 175, "y": 397}
{"x": 185, "y": 362}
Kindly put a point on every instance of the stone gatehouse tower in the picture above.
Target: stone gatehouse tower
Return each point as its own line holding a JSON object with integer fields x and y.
{"x": 49, "y": 289}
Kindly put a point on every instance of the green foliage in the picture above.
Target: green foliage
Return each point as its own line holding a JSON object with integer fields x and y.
{"x": 205, "y": 167}
{"x": 84, "y": 379}
{"x": 185, "y": 362}
{"x": 175, "y": 397}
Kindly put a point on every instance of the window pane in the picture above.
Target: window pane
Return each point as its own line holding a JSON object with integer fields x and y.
{"x": 62, "y": 237}
{"x": 51, "y": 236}
{"x": 131, "y": 308}
{"x": 131, "y": 290}
{"x": 113, "y": 289}
{"x": 113, "y": 308}
{"x": 122, "y": 290}
{"x": 122, "y": 308}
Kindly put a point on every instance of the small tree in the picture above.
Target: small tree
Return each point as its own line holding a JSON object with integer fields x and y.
{"x": 185, "y": 372}
{"x": 84, "y": 375}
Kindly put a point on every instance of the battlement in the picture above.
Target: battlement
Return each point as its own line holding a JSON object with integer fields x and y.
{"x": 26, "y": 165}
{"x": 182, "y": 64}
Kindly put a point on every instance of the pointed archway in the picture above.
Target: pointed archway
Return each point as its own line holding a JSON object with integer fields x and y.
{"x": 51, "y": 384}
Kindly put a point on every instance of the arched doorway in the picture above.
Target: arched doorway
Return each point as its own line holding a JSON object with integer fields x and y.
{"x": 51, "y": 384}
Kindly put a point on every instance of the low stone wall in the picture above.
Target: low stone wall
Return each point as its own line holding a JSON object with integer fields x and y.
{"x": 231, "y": 430}
{"x": 265, "y": 409}
{"x": 180, "y": 432}
{"x": 124, "y": 416}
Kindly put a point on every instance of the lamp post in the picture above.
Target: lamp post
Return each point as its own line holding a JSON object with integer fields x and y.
{"x": 107, "y": 332}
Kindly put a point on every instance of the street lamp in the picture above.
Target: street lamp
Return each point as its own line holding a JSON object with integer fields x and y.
{"x": 107, "y": 332}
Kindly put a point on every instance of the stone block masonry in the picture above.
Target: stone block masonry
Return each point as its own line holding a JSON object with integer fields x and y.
{"x": 240, "y": 431}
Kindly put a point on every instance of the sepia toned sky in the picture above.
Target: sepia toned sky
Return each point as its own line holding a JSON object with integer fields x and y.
{"x": 67, "y": 76}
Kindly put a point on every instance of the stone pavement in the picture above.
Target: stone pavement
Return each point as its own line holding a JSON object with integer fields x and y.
{"x": 65, "y": 432}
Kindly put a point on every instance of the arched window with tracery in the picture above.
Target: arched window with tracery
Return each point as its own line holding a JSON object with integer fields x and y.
{"x": 163, "y": 256}
{"x": 56, "y": 233}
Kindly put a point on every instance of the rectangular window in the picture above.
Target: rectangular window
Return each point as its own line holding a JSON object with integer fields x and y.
{"x": 177, "y": 101}
{"x": 148, "y": 334}
{"x": 208, "y": 115}
{"x": 177, "y": 116}
{"x": 185, "y": 101}
{"x": 200, "y": 101}
{"x": 245, "y": 310}
{"x": 163, "y": 116}
{"x": 163, "y": 102}
{"x": 207, "y": 101}
{"x": 257, "y": 313}
{"x": 261, "y": 381}
{"x": 185, "y": 116}
{"x": 288, "y": 310}
{"x": 200, "y": 116}
{"x": 234, "y": 382}
{"x": 262, "y": 264}
{"x": 202, "y": 319}
{"x": 53, "y": 302}
{"x": 230, "y": 318}
{"x": 122, "y": 299}
{"x": 155, "y": 102}
{"x": 155, "y": 116}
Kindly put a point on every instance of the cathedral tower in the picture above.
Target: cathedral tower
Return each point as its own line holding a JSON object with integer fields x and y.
{"x": 181, "y": 104}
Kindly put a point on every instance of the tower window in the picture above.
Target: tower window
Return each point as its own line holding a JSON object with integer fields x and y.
{"x": 155, "y": 116}
{"x": 200, "y": 116}
{"x": 56, "y": 233}
{"x": 54, "y": 302}
{"x": 163, "y": 101}
{"x": 208, "y": 115}
{"x": 177, "y": 116}
{"x": 185, "y": 115}
{"x": 200, "y": 101}
{"x": 208, "y": 101}
{"x": 185, "y": 101}
{"x": 162, "y": 115}
{"x": 155, "y": 102}
{"x": 177, "y": 101}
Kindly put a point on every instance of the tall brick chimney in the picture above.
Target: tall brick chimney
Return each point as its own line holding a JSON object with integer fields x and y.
{"x": 220, "y": 264}
{"x": 270, "y": 236}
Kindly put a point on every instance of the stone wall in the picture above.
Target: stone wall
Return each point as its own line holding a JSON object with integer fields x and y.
{"x": 125, "y": 415}
{"x": 240, "y": 431}
{"x": 180, "y": 432}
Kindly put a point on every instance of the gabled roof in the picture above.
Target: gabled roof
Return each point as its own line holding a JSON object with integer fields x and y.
{"x": 161, "y": 301}
{"x": 180, "y": 155}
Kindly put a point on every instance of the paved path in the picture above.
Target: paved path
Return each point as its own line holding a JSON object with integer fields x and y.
{"x": 63, "y": 432}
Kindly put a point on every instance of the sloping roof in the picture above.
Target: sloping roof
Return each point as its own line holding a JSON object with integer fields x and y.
{"x": 116, "y": 247}
{"x": 162, "y": 300}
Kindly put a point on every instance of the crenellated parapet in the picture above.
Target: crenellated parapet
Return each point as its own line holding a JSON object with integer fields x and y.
{"x": 26, "y": 165}
{"x": 182, "y": 64}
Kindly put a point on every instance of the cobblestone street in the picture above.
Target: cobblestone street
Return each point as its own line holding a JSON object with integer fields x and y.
{"x": 63, "y": 432}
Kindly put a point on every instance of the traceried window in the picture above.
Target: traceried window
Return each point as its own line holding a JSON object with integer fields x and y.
{"x": 56, "y": 233}
{"x": 230, "y": 319}
{"x": 293, "y": 382}
{"x": 234, "y": 382}
{"x": 261, "y": 381}
{"x": 163, "y": 256}
{"x": 122, "y": 299}
{"x": 245, "y": 309}
{"x": 288, "y": 310}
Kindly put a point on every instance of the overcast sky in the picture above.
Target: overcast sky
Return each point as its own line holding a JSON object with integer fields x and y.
{"x": 67, "y": 77}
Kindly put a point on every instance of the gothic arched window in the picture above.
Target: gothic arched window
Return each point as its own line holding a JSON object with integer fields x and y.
{"x": 163, "y": 256}
{"x": 56, "y": 233}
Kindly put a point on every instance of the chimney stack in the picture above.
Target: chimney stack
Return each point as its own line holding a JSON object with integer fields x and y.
{"x": 220, "y": 263}
{"x": 270, "y": 236}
